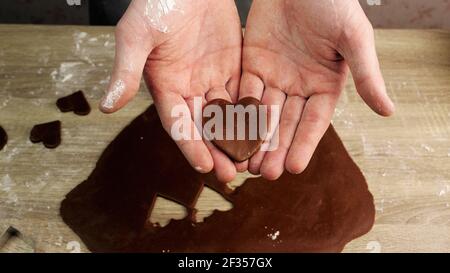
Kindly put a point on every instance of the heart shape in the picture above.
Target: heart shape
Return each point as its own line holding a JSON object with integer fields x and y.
{"x": 75, "y": 102}
{"x": 47, "y": 133}
{"x": 237, "y": 149}
{"x": 3, "y": 138}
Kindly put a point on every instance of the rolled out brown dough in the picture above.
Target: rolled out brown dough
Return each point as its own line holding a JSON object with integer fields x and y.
{"x": 320, "y": 210}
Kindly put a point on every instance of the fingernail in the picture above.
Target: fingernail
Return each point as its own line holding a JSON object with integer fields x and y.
{"x": 392, "y": 106}
{"x": 199, "y": 169}
{"x": 113, "y": 95}
{"x": 388, "y": 109}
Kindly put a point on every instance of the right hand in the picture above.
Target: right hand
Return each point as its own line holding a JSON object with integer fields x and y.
{"x": 297, "y": 55}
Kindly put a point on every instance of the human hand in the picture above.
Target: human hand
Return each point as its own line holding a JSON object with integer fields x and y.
{"x": 297, "y": 55}
{"x": 185, "y": 49}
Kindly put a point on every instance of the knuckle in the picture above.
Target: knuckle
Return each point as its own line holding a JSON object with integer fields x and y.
{"x": 120, "y": 28}
{"x": 270, "y": 174}
{"x": 296, "y": 167}
{"x": 313, "y": 117}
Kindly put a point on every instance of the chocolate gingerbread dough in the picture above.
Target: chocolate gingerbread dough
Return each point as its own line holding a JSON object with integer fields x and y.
{"x": 3, "y": 138}
{"x": 75, "y": 102}
{"x": 48, "y": 133}
{"x": 238, "y": 150}
{"x": 320, "y": 210}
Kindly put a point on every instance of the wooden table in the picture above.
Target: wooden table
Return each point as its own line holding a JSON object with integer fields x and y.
{"x": 406, "y": 158}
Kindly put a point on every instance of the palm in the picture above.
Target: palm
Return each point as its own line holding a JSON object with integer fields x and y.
{"x": 201, "y": 53}
{"x": 290, "y": 56}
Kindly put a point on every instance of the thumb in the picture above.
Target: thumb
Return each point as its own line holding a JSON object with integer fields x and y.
{"x": 360, "y": 54}
{"x": 132, "y": 50}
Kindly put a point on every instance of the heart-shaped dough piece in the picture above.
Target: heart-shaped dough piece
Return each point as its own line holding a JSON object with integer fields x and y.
{"x": 238, "y": 149}
{"x": 47, "y": 133}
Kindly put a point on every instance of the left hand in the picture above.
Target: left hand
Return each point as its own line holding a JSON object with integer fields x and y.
{"x": 194, "y": 51}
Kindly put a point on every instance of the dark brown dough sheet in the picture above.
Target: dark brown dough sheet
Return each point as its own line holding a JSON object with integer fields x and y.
{"x": 3, "y": 138}
{"x": 320, "y": 210}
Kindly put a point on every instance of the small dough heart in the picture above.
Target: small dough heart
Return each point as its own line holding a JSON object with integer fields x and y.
{"x": 3, "y": 138}
{"x": 75, "y": 102}
{"x": 47, "y": 133}
{"x": 236, "y": 149}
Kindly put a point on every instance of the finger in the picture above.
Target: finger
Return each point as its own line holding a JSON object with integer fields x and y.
{"x": 360, "y": 54}
{"x": 132, "y": 50}
{"x": 169, "y": 106}
{"x": 273, "y": 164}
{"x": 232, "y": 87}
{"x": 241, "y": 166}
{"x": 314, "y": 121}
{"x": 251, "y": 86}
{"x": 223, "y": 166}
{"x": 271, "y": 97}
{"x": 217, "y": 93}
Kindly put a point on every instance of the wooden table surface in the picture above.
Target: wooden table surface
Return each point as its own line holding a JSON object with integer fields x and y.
{"x": 406, "y": 158}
